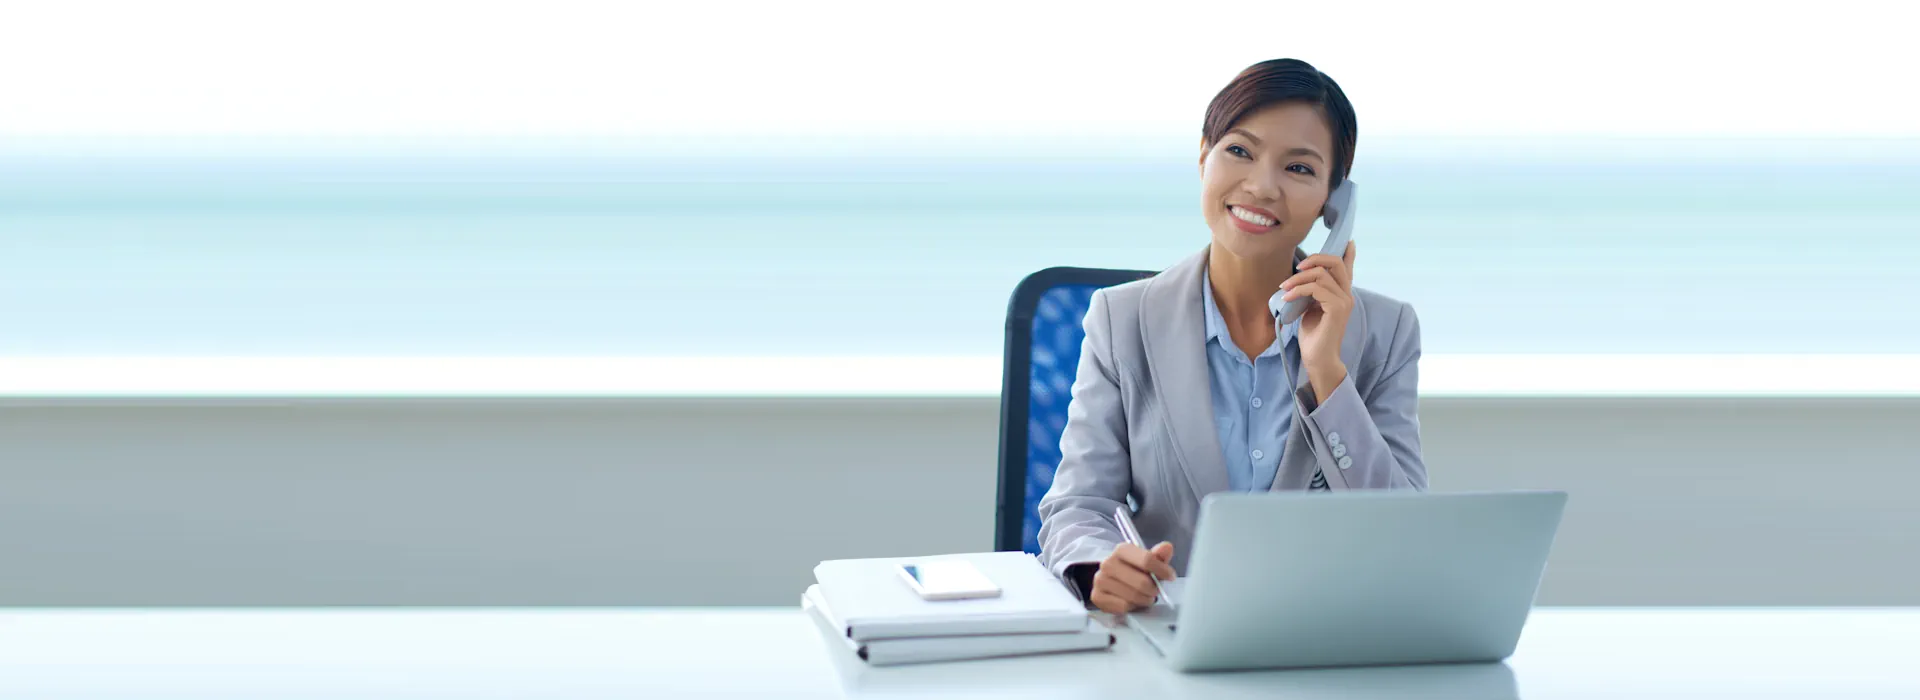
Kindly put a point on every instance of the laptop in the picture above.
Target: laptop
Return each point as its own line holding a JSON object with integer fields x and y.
{"x": 1291, "y": 580}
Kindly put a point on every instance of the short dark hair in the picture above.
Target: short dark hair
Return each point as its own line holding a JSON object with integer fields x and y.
{"x": 1285, "y": 80}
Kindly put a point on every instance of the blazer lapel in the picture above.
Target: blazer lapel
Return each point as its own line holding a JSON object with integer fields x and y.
{"x": 1173, "y": 335}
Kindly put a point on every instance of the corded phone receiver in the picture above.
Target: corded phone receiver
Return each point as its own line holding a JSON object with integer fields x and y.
{"x": 1338, "y": 216}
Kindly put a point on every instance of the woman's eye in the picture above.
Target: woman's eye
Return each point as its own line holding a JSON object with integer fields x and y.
{"x": 1300, "y": 168}
{"x": 1238, "y": 151}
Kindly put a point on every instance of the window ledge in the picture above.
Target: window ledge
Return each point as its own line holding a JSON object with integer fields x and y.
{"x": 934, "y": 377}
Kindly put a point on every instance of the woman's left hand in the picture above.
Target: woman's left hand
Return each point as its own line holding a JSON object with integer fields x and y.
{"x": 1329, "y": 281}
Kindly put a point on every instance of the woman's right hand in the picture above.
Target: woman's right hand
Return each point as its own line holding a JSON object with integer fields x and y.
{"x": 1125, "y": 580}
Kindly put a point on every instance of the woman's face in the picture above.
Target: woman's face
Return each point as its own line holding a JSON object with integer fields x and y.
{"x": 1263, "y": 183}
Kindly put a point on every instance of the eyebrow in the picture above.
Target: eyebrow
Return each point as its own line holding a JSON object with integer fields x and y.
{"x": 1295, "y": 151}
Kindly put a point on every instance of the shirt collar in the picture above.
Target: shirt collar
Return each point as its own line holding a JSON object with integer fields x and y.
{"x": 1216, "y": 324}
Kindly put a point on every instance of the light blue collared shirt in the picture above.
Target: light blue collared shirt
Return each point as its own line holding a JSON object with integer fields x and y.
{"x": 1252, "y": 404}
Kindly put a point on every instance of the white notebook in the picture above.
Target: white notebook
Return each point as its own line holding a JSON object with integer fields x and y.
{"x": 871, "y": 600}
{"x": 887, "y": 652}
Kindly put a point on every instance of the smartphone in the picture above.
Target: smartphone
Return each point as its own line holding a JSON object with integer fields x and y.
{"x": 948, "y": 580}
{"x": 1337, "y": 214}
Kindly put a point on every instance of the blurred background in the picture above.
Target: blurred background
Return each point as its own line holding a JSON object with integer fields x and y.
{"x": 788, "y": 233}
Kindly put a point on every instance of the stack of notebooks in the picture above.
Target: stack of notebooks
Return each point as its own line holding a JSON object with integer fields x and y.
{"x": 868, "y": 606}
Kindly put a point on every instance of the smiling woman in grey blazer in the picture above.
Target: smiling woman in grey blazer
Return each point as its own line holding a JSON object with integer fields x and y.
{"x": 1182, "y": 386}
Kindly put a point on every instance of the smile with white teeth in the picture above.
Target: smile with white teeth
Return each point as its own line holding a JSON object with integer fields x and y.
{"x": 1249, "y": 217}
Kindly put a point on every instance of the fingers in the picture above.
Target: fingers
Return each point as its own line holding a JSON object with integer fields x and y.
{"x": 1127, "y": 569}
{"x": 1318, "y": 291}
{"x": 1109, "y": 603}
{"x": 1341, "y": 269}
{"x": 1128, "y": 553}
{"x": 1318, "y": 285}
{"x": 1149, "y": 562}
{"x": 1159, "y": 562}
{"x": 1125, "y": 578}
{"x": 1130, "y": 587}
{"x": 1306, "y": 277}
{"x": 1164, "y": 552}
{"x": 1324, "y": 276}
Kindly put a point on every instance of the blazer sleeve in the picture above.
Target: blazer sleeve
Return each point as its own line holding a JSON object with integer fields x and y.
{"x": 1373, "y": 441}
{"x": 1095, "y": 473}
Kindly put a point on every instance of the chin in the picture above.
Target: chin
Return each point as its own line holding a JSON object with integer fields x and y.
{"x": 1272, "y": 246}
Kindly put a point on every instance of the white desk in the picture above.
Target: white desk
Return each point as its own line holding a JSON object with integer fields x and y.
{"x": 762, "y": 653}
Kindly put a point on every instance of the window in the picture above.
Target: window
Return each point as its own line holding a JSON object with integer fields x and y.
{"x": 802, "y": 181}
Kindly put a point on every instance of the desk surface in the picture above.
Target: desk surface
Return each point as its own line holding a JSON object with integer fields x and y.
{"x": 763, "y": 653}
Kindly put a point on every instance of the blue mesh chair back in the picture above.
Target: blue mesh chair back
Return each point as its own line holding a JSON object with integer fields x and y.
{"x": 1043, "y": 350}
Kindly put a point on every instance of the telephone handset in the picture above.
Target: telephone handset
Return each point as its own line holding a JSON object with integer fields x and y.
{"x": 1338, "y": 216}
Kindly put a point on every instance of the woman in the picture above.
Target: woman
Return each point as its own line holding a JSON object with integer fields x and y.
{"x": 1182, "y": 385}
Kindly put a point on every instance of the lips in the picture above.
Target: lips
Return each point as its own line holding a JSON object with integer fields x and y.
{"x": 1252, "y": 219}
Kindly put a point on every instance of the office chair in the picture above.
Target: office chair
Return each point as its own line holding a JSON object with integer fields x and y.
{"x": 1042, "y": 352}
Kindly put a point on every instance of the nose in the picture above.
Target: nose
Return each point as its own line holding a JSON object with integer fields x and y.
{"x": 1264, "y": 183}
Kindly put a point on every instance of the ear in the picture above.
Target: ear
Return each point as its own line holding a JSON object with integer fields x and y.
{"x": 1203, "y": 156}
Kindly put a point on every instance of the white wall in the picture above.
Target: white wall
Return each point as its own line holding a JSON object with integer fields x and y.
{"x": 670, "y": 70}
{"x": 731, "y": 501}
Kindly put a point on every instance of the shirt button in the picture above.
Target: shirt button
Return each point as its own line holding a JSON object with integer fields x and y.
{"x": 1256, "y": 402}
{"x": 1258, "y": 454}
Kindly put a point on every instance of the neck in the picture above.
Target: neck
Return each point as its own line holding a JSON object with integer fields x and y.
{"x": 1242, "y": 286}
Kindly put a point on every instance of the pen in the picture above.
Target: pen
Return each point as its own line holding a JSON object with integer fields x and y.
{"x": 1132, "y": 534}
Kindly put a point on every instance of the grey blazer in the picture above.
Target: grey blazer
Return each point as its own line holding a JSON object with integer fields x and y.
{"x": 1141, "y": 420}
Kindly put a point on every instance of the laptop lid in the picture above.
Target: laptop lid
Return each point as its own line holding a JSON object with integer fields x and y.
{"x": 1299, "y": 579}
